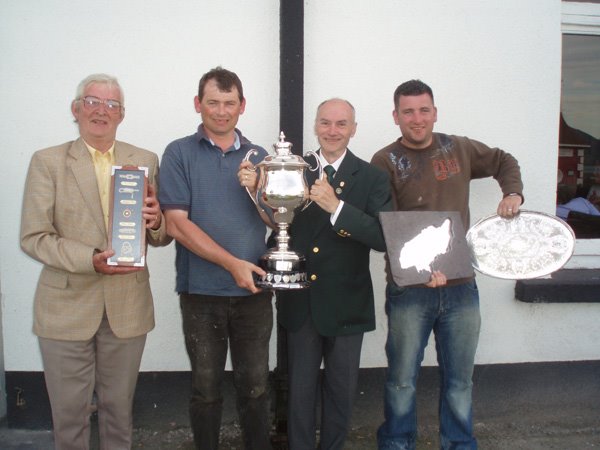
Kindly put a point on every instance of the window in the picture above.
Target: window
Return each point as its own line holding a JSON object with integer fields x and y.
{"x": 578, "y": 189}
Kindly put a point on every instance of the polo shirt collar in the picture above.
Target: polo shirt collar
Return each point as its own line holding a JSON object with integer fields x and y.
{"x": 237, "y": 143}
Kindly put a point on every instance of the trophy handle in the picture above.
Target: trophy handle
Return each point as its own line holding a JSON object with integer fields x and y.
{"x": 319, "y": 167}
{"x": 250, "y": 153}
{"x": 261, "y": 210}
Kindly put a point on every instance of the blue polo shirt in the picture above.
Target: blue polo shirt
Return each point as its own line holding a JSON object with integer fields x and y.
{"x": 198, "y": 177}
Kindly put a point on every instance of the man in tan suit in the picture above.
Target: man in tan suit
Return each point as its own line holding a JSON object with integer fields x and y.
{"x": 91, "y": 318}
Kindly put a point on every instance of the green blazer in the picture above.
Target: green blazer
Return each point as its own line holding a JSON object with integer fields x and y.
{"x": 340, "y": 297}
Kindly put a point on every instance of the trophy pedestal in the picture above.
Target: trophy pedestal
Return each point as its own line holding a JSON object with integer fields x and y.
{"x": 285, "y": 270}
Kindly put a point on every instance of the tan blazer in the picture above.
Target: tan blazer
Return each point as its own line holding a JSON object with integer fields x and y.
{"x": 61, "y": 225}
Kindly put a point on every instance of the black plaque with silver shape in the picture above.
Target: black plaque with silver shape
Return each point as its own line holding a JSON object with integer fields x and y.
{"x": 419, "y": 242}
{"x": 127, "y": 228}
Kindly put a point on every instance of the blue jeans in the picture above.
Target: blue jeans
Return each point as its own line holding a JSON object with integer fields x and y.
{"x": 210, "y": 323}
{"x": 452, "y": 312}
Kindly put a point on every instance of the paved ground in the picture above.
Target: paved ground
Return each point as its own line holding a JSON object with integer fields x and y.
{"x": 516, "y": 407}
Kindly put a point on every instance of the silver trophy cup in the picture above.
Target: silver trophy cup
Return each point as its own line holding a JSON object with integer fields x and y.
{"x": 281, "y": 192}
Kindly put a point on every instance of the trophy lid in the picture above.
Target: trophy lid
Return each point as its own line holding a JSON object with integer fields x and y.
{"x": 283, "y": 155}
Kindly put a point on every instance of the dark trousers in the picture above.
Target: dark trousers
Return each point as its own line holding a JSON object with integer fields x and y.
{"x": 209, "y": 324}
{"x": 341, "y": 357}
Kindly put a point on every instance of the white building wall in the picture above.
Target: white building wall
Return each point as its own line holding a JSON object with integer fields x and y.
{"x": 158, "y": 50}
{"x": 494, "y": 68}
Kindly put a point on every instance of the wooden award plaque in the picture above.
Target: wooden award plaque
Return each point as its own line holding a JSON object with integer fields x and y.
{"x": 126, "y": 225}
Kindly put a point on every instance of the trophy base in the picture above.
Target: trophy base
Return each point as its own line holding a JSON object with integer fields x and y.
{"x": 285, "y": 271}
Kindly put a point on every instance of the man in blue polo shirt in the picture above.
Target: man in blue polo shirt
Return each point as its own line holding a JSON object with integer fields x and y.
{"x": 220, "y": 236}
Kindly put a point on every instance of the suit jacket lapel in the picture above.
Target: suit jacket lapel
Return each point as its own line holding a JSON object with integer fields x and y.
{"x": 342, "y": 185}
{"x": 123, "y": 155}
{"x": 345, "y": 176}
{"x": 85, "y": 175}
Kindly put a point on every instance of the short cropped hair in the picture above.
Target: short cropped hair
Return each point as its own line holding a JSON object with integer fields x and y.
{"x": 98, "y": 78}
{"x": 341, "y": 100}
{"x": 225, "y": 79}
{"x": 411, "y": 88}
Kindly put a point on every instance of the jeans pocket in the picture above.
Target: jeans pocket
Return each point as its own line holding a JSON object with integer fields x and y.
{"x": 393, "y": 290}
{"x": 473, "y": 285}
{"x": 393, "y": 295}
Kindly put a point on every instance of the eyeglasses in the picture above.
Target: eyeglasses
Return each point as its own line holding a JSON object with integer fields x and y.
{"x": 113, "y": 106}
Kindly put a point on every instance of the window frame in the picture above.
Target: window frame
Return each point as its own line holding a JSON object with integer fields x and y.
{"x": 581, "y": 18}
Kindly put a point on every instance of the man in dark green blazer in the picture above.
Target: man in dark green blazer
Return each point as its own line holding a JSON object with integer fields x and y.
{"x": 326, "y": 322}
